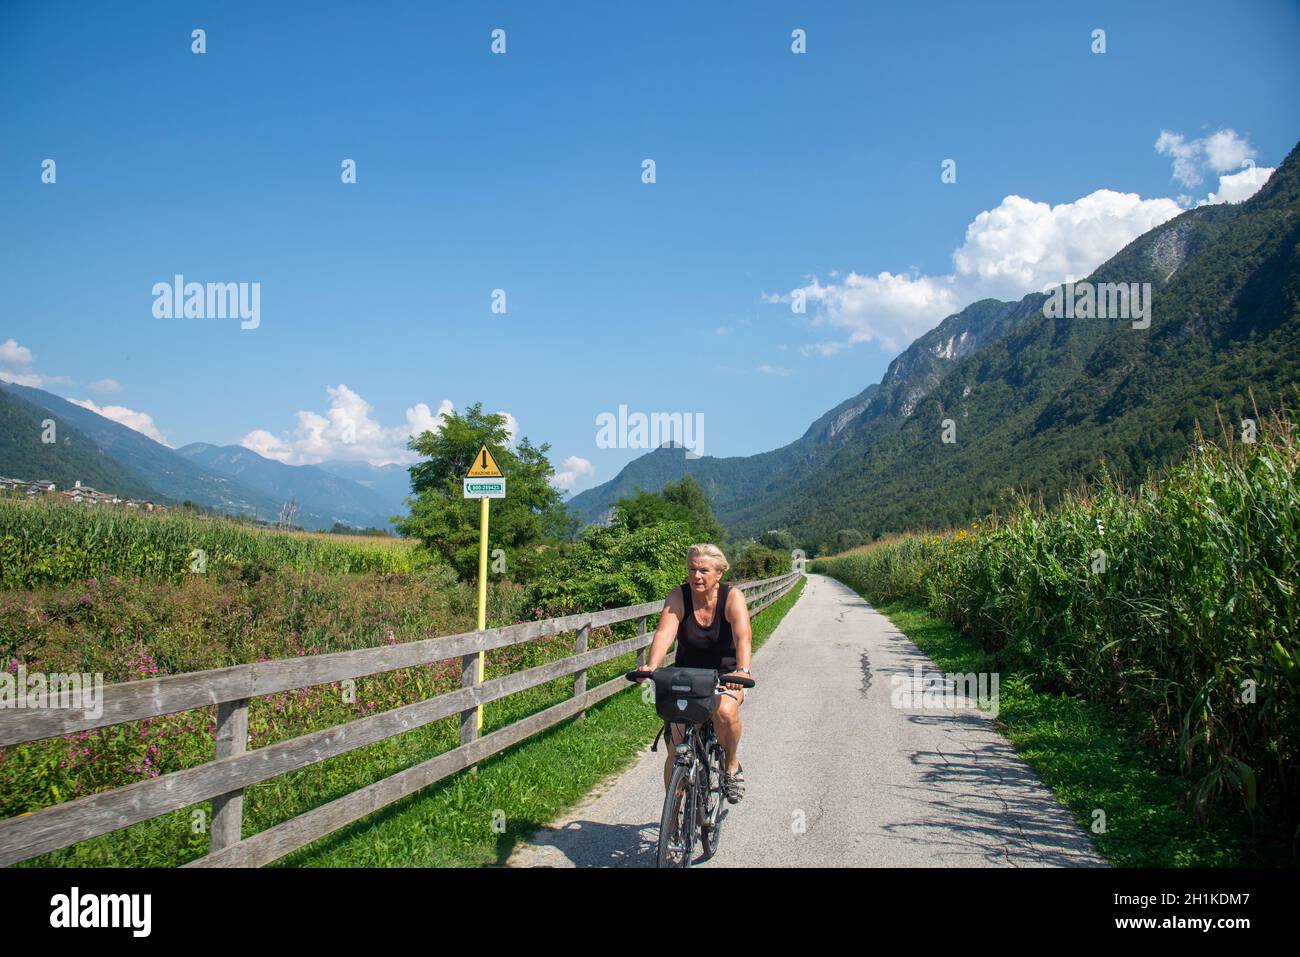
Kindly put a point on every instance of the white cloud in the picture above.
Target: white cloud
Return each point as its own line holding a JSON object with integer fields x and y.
{"x": 773, "y": 370}
{"x": 1225, "y": 150}
{"x": 1239, "y": 187}
{"x": 267, "y": 445}
{"x": 826, "y": 347}
{"x": 142, "y": 422}
{"x": 575, "y": 468}
{"x": 105, "y": 386}
{"x": 888, "y": 308}
{"x": 22, "y": 378}
{"x": 13, "y": 355}
{"x": 349, "y": 431}
{"x": 420, "y": 418}
{"x": 1020, "y": 246}
{"x": 1186, "y": 164}
{"x": 1221, "y": 151}
{"x": 16, "y": 360}
{"x": 1017, "y": 247}
{"x": 512, "y": 427}
{"x": 15, "y": 367}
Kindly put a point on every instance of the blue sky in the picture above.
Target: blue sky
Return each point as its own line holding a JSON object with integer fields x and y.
{"x": 775, "y": 172}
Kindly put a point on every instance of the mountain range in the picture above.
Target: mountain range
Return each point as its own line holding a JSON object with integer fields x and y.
{"x": 105, "y": 455}
{"x": 1036, "y": 403}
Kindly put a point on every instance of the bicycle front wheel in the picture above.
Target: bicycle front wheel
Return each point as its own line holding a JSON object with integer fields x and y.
{"x": 676, "y": 825}
{"x": 714, "y": 797}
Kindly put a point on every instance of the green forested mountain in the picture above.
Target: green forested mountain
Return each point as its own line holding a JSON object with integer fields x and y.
{"x": 733, "y": 483}
{"x": 1038, "y": 403}
{"x": 71, "y": 458}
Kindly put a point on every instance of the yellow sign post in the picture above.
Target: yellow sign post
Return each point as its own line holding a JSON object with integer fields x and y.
{"x": 486, "y": 471}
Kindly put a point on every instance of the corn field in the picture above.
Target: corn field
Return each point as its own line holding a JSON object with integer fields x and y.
{"x": 1175, "y": 604}
{"x": 50, "y": 542}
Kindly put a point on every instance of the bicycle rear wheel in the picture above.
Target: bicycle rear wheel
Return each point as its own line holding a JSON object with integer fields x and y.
{"x": 677, "y": 824}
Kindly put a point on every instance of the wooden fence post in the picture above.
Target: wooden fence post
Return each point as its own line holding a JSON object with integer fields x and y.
{"x": 580, "y": 677}
{"x": 469, "y": 676}
{"x": 228, "y": 809}
{"x": 641, "y": 652}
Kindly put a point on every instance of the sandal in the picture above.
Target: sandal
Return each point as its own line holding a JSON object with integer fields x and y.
{"x": 733, "y": 785}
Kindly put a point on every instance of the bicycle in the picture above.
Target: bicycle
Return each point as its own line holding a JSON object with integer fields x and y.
{"x": 695, "y": 797}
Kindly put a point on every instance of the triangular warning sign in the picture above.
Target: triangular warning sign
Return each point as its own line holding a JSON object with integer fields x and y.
{"x": 484, "y": 465}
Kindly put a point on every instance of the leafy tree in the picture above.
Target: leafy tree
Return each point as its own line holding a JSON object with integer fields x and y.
{"x": 447, "y": 524}
{"x": 615, "y": 566}
{"x": 758, "y": 561}
{"x": 642, "y": 510}
{"x": 681, "y": 501}
{"x": 778, "y": 538}
{"x": 847, "y": 538}
{"x": 339, "y": 528}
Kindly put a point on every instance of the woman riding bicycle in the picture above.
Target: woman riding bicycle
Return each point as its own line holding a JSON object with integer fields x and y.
{"x": 710, "y": 623}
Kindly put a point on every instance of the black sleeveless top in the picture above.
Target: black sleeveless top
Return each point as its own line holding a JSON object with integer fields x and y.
{"x": 706, "y": 647}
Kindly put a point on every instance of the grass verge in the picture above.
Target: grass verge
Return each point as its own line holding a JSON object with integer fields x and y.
{"x": 1089, "y": 757}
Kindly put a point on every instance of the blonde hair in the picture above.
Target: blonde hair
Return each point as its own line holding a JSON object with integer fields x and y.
{"x": 712, "y": 552}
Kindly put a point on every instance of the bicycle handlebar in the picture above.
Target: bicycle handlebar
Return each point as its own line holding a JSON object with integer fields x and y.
{"x": 723, "y": 678}
{"x": 729, "y": 679}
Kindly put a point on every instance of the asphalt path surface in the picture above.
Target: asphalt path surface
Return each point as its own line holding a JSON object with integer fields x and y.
{"x": 836, "y": 774}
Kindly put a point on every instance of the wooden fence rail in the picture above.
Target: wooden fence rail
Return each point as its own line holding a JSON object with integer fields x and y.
{"x": 234, "y": 768}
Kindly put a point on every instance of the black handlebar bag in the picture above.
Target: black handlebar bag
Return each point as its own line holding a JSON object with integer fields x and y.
{"x": 686, "y": 694}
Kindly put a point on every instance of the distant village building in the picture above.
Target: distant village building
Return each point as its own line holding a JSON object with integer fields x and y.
{"x": 83, "y": 494}
{"x": 89, "y": 496}
{"x": 30, "y": 486}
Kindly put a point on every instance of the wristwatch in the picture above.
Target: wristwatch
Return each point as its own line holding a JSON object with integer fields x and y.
{"x": 745, "y": 670}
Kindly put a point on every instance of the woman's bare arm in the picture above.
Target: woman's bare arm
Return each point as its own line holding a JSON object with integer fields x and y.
{"x": 669, "y": 619}
{"x": 741, "y": 632}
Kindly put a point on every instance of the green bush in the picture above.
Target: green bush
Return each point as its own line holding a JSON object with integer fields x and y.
{"x": 612, "y": 567}
{"x": 759, "y": 562}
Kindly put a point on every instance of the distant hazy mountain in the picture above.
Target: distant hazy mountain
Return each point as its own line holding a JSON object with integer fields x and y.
{"x": 173, "y": 476}
{"x": 392, "y": 483}
{"x": 316, "y": 490}
{"x": 71, "y": 458}
{"x": 1038, "y": 403}
{"x": 229, "y": 478}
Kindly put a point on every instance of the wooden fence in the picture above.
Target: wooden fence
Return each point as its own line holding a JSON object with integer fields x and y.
{"x": 234, "y": 768}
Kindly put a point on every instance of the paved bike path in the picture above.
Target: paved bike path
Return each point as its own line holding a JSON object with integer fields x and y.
{"x": 822, "y": 745}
